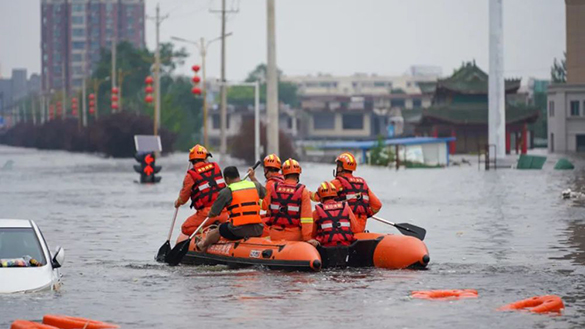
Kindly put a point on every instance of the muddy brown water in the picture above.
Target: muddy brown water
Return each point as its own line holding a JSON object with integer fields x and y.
{"x": 506, "y": 233}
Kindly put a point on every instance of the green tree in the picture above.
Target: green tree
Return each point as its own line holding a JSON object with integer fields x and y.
{"x": 558, "y": 72}
{"x": 242, "y": 96}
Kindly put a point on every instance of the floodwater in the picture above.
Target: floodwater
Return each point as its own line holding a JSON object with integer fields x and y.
{"x": 506, "y": 233}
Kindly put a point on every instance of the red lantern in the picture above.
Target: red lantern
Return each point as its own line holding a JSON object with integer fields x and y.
{"x": 115, "y": 106}
{"x": 148, "y": 98}
{"x": 115, "y": 90}
{"x": 196, "y": 79}
{"x": 91, "y": 110}
{"x": 58, "y": 104}
{"x": 91, "y": 96}
{"x": 91, "y": 103}
{"x": 195, "y": 68}
{"x": 74, "y": 112}
{"x": 196, "y": 91}
{"x": 148, "y": 89}
{"x": 148, "y": 80}
{"x": 114, "y": 98}
{"x": 73, "y": 100}
{"x": 74, "y": 106}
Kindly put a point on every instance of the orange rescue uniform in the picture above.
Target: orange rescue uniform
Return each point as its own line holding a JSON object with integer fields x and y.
{"x": 361, "y": 219}
{"x": 193, "y": 221}
{"x": 302, "y": 233}
{"x": 354, "y": 224}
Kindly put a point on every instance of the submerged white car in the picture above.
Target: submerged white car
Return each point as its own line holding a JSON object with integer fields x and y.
{"x": 26, "y": 264}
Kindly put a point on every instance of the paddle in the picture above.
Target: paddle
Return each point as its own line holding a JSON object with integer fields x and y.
{"x": 166, "y": 247}
{"x": 180, "y": 250}
{"x": 405, "y": 228}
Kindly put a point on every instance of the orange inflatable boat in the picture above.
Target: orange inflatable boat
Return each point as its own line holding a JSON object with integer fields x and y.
{"x": 370, "y": 249}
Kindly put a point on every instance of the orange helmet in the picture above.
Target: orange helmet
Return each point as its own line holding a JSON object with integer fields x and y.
{"x": 347, "y": 161}
{"x": 198, "y": 152}
{"x": 291, "y": 166}
{"x": 272, "y": 161}
{"x": 326, "y": 189}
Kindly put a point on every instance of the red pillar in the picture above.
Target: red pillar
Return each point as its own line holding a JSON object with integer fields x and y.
{"x": 524, "y": 139}
{"x": 517, "y": 143}
{"x": 507, "y": 141}
{"x": 435, "y": 132}
{"x": 452, "y": 145}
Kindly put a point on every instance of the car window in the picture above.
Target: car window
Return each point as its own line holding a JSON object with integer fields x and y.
{"x": 20, "y": 243}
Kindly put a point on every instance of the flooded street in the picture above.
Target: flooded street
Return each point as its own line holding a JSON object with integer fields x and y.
{"x": 506, "y": 233}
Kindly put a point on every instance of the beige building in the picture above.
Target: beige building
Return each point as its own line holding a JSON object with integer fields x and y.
{"x": 566, "y": 102}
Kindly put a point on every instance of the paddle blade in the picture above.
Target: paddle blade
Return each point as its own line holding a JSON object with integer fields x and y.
{"x": 163, "y": 252}
{"x": 175, "y": 256}
{"x": 411, "y": 230}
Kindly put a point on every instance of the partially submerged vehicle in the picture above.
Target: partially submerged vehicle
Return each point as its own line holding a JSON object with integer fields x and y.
{"x": 26, "y": 265}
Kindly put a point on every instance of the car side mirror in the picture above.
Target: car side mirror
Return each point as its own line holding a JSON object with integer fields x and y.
{"x": 59, "y": 257}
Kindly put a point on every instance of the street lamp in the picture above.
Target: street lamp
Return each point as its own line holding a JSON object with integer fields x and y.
{"x": 202, "y": 46}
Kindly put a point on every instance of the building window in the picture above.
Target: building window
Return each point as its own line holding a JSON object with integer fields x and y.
{"x": 76, "y": 58}
{"x": 78, "y": 45}
{"x": 78, "y": 32}
{"x": 397, "y": 102}
{"x": 216, "y": 121}
{"x": 323, "y": 121}
{"x": 416, "y": 103}
{"x": 77, "y": 19}
{"x": 551, "y": 109}
{"x": 77, "y": 7}
{"x": 353, "y": 121}
{"x": 379, "y": 84}
{"x": 575, "y": 108}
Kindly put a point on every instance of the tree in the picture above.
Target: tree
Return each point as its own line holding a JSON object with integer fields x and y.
{"x": 558, "y": 72}
{"x": 242, "y": 96}
{"x": 242, "y": 145}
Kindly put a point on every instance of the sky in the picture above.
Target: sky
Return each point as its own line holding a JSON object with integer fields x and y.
{"x": 339, "y": 37}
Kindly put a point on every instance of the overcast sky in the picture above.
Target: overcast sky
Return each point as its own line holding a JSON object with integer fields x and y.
{"x": 333, "y": 36}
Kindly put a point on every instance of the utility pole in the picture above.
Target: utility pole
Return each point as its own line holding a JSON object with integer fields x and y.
{"x": 83, "y": 93}
{"x": 203, "y": 50}
{"x": 223, "y": 83}
{"x": 157, "y": 21}
{"x": 113, "y": 75}
{"x": 64, "y": 99}
{"x": 496, "y": 88}
{"x": 271, "y": 82}
{"x": 223, "y": 90}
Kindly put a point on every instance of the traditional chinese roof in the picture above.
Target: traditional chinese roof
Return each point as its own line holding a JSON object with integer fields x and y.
{"x": 475, "y": 114}
{"x": 470, "y": 79}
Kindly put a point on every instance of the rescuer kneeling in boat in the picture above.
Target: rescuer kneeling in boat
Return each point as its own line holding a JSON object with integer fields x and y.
{"x": 334, "y": 220}
{"x": 242, "y": 200}
{"x": 289, "y": 207}
{"x": 362, "y": 201}
{"x": 202, "y": 184}
{"x": 272, "y": 166}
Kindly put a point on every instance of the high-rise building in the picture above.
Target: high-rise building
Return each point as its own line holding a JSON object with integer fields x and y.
{"x": 75, "y": 31}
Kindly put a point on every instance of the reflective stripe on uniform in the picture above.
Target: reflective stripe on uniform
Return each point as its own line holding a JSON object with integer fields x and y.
{"x": 203, "y": 187}
{"x": 356, "y": 196}
{"x": 220, "y": 181}
{"x": 307, "y": 220}
{"x": 329, "y": 225}
{"x": 291, "y": 208}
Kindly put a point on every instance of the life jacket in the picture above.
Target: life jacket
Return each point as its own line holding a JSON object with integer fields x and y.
{"x": 245, "y": 206}
{"x": 355, "y": 191}
{"x": 285, "y": 205}
{"x": 333, "y": 224}
{"x": 208, "y": 181}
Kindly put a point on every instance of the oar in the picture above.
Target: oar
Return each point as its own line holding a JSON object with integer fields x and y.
{"x": 166, "y": 247}
{"x": 405, "y": 228}
{"x": 181, "y": 248}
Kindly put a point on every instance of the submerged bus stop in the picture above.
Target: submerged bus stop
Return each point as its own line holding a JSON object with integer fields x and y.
{"x": 429, "y": 151}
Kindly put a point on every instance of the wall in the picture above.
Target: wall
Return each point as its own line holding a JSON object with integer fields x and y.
{"x": 575, "y": 21}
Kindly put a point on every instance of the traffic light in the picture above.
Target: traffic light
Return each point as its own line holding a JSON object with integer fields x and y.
{"x": 147, "y": 168}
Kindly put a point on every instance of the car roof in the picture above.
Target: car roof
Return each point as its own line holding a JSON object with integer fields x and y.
{"x": 15, "y": 223}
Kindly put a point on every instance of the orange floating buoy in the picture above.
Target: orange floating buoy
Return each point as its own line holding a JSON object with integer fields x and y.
{"x": 537, "y": 304}
{"x": 69, "y": 322}
{"x": 25, "y": 324}
{"x": 445, "y": 294}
